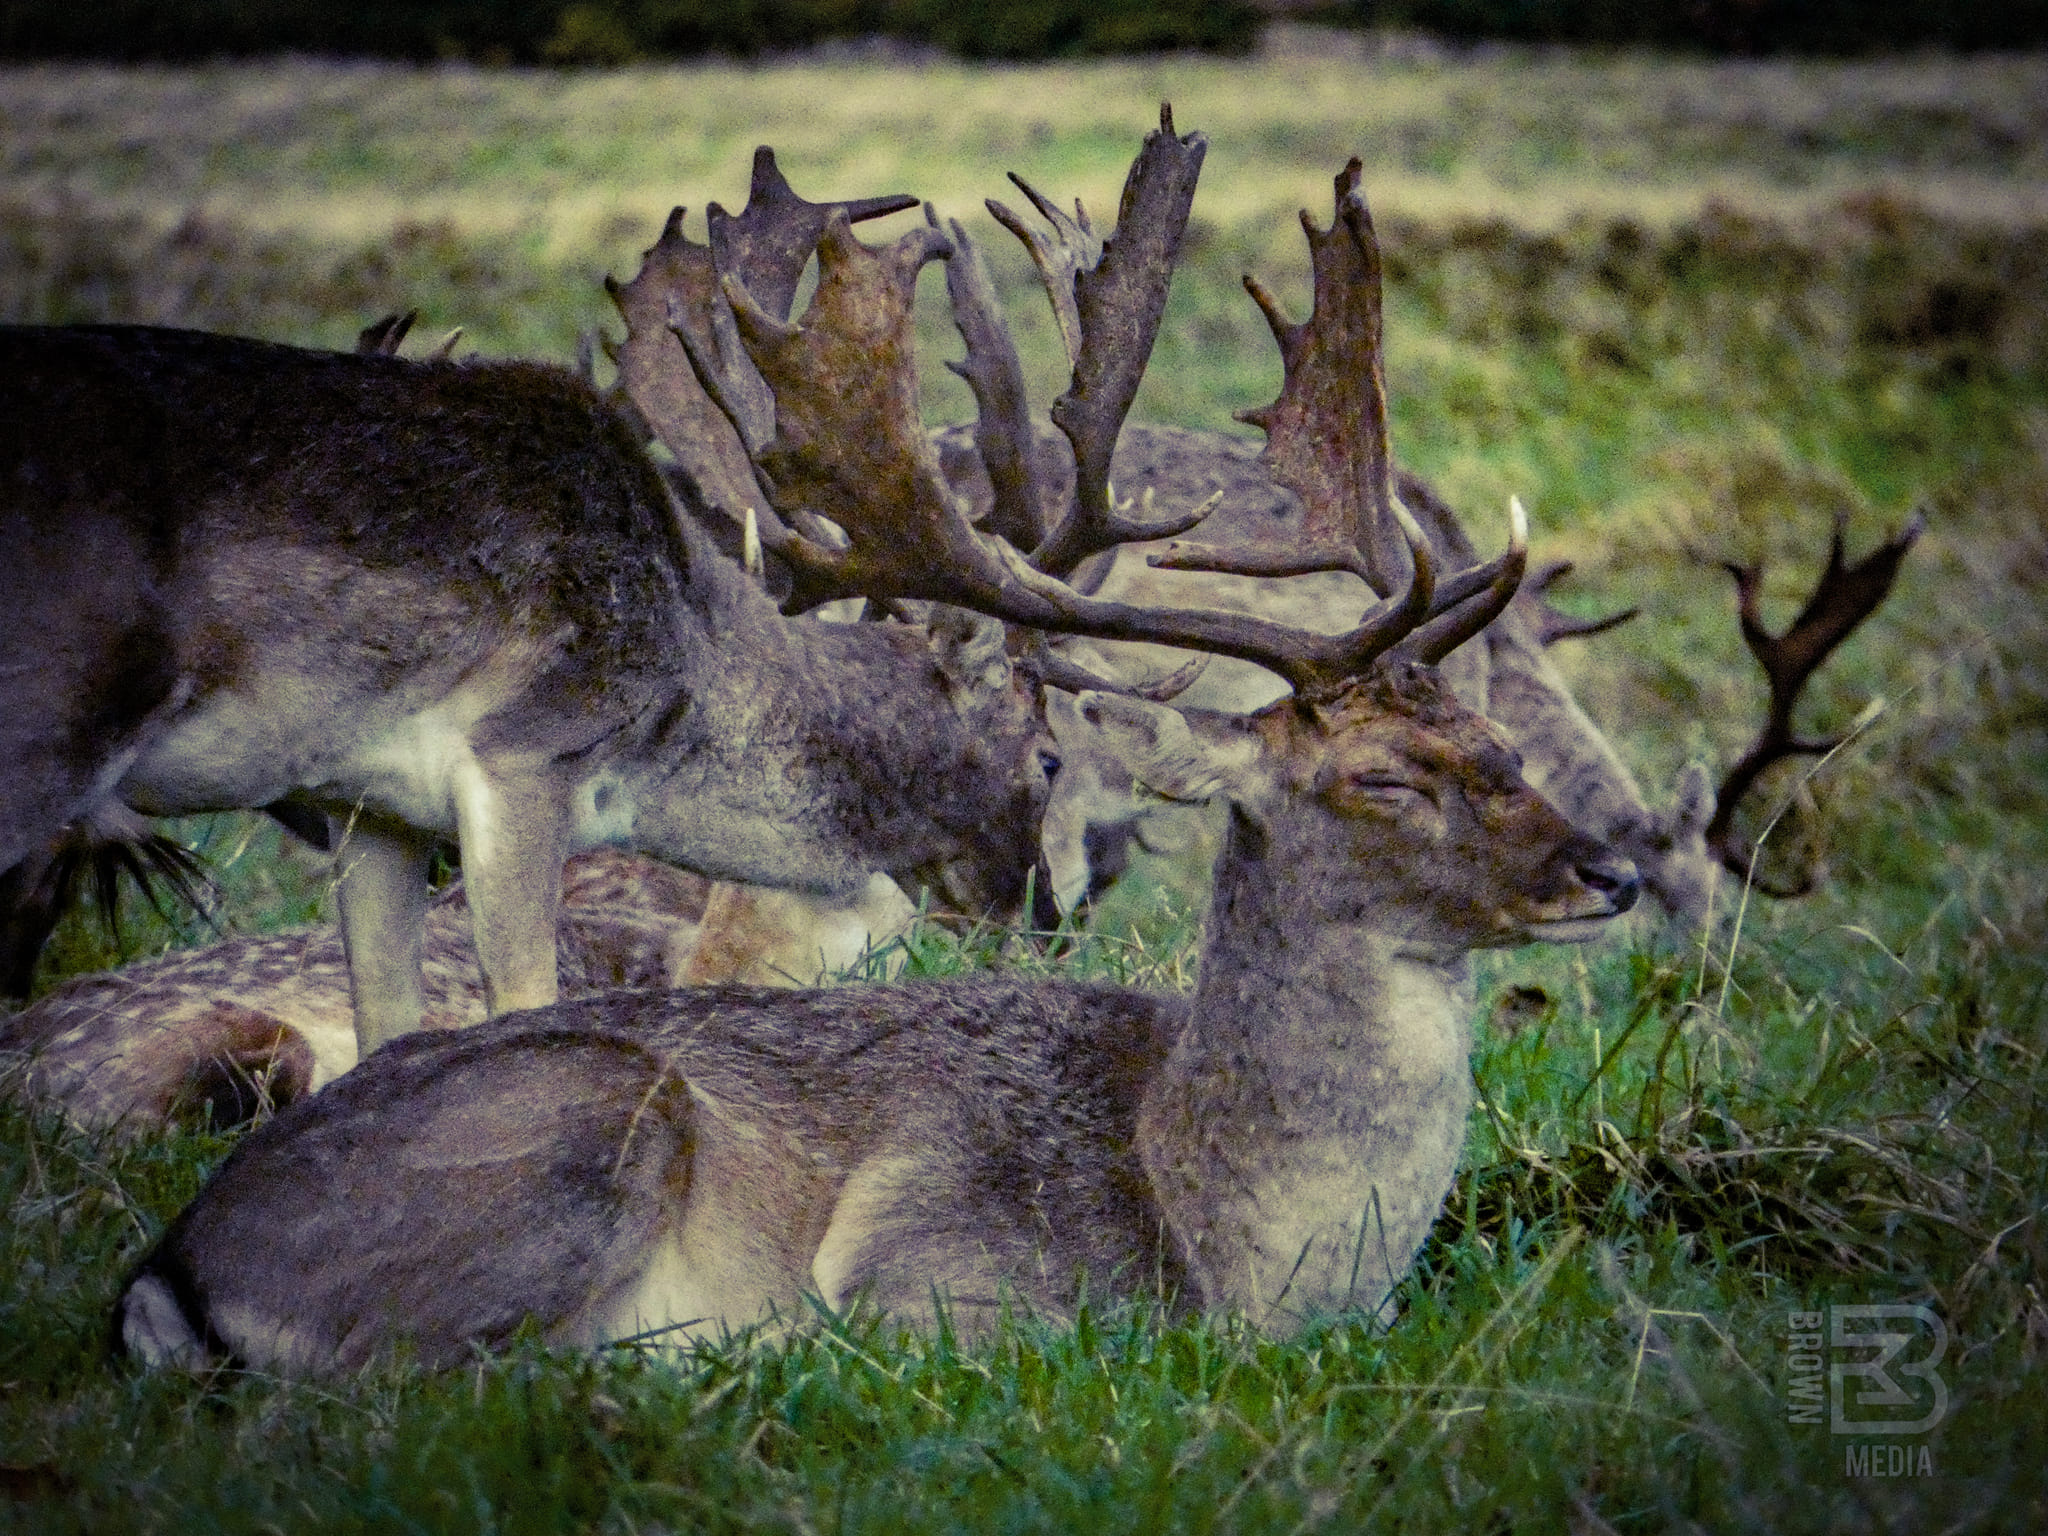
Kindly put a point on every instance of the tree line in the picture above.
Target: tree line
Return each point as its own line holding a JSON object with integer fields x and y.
{"x": 600, "y": 32}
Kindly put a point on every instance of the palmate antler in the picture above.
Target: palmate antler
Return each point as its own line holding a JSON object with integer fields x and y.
{"x": 1843, "y": 598}
{"x": 1333, "y": 371}
{"x": 675, "y": 304}
{"x": 848, "y": 443}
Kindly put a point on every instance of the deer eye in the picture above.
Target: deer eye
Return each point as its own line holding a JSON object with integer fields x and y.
{"x": 1384, "y": 787}
{"x": 1048, "y": 764}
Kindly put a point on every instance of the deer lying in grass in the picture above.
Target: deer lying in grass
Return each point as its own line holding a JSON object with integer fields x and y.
{"x": 1278, "y": 1143}
{"x": 258, "y": 1021}
{"x": 266, "y": 1019}
{"x": 431, "y": 600}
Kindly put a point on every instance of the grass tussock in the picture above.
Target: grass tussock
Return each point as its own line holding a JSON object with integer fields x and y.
{"x": 1691, "y": 313}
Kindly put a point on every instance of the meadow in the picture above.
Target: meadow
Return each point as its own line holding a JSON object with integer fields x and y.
{"x": 1690, "y": 312}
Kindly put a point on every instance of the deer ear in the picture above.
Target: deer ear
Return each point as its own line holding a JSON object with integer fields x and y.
{"x": 968, "y": 648}
{"x": 1183, "y": 757}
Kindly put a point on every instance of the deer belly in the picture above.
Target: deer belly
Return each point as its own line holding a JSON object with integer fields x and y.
{"x": 240, "y": 751}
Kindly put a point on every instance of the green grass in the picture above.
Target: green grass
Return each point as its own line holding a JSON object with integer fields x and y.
{"x": 1688, "y": 312}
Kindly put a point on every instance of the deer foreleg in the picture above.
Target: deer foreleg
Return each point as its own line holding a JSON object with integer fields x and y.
{"x": 514, "y": 831}
{"x": 381, "y": 871}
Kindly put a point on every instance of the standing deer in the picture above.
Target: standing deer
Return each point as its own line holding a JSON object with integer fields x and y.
{"x": 1278, "y": 1143}
{"x": 426, "y": 600}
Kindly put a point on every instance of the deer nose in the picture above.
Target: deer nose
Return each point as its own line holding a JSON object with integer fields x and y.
{"x": 1611, "y": 876}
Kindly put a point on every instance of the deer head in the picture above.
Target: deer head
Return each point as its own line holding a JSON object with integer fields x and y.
{"x": 1408, "y": 809}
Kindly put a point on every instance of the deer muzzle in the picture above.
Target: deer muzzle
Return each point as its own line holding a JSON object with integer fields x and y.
{"x": 1598, "y": 884}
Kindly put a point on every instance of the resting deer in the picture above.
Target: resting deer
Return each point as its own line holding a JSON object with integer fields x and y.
{"x": 427, "y": 600}
{"x": 1278, "y": 1143}
{"x": 265, "y": 1019}
{"x": 257, "y": 1021}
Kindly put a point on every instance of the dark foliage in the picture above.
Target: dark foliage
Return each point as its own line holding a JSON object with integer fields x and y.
{"x": 1726, "y": 26}
{"x": 611, "y": 31}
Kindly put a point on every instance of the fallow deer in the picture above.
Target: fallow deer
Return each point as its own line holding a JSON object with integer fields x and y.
{"x": 426, "y": 600}
{"x": 1278, "y": 1143}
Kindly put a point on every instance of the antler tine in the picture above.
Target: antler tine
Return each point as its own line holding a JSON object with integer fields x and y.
{"x": 769, "y": 242}
{"x": 1118, "y": 302}
{"x": 1459, "y": 617}
{"x": 1326, "y": 434}
{"x": 382, "y": 338}
{"x": 1062, "y": 671}
{"x": 1843, "y": 598}
{"x": 1551, "y": 623}
{"x": 1071, "y": 249}
{"x": 1002, "y": 424}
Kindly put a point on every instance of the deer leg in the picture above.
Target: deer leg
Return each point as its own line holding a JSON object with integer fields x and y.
{"x": 514, "y": 830}
{"x": 382, "y": 883}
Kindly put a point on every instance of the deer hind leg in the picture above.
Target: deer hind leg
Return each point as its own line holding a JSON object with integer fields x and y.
{"x": 381, "y": 880}
{"x": 514, "y": 829}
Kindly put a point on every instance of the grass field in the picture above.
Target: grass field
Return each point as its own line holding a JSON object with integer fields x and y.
{"x": 1688, "y": 311}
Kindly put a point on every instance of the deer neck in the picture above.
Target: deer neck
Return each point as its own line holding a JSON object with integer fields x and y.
{"x": 1308, "y": 1121}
